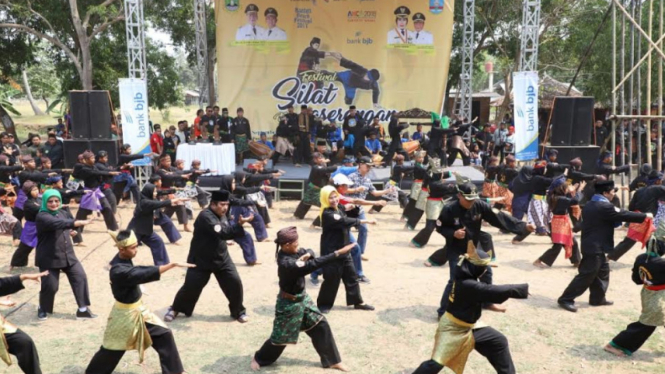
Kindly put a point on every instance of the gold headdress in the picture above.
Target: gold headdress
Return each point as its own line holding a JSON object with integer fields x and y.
{"x": 130, "y": 241}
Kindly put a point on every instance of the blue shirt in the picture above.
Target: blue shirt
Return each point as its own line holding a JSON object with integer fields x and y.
{"x": 374, "y": 146}
{"x": 268, "y": 143}
{"x": 417, "y": 136}
{"x": 335, "y": 136}
{"x": 346, "y": 170}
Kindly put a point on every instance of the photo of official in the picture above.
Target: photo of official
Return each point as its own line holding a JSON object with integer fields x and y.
{"x": 250, "y": 31}
{"x": 400, "y": 34}
{"x": 272, "y": 32}
{"x": 421, "y": 36}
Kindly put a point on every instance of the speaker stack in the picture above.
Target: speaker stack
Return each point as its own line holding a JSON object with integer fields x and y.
{"x": 572, "y": 122}
{"x": 92, "y": 116}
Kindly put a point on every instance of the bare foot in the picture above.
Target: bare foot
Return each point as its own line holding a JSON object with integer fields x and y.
{"x": 253, "y": 263}
{"x": 16, "y": 242}
{"x": 364, "y": 258}
{"x": 265, "y": 240}
{"x": 540, "y": 264}
{"x": 255, "y": 365}
{"x": 496, "y": 308}
{"x": 176, "y": 243}
{"x": 340, "y": 367}
{"x": 614, "y": 351}
{"x": 6, "y": 301}
{"x": 187, "y": 229}
{"x": 427, "y": 264}
{"x": 81, "y": 244}
{"x": 516, "y": 242}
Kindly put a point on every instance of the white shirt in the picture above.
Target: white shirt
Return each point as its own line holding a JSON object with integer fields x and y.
{"x": 246, "y": 32}
{"x": 274, "y": 34}
{"x": 423, "y": 37}
{"x": 396, "y": 37}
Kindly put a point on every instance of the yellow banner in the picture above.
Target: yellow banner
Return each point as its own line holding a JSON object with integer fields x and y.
{"x": 379, "y": 55}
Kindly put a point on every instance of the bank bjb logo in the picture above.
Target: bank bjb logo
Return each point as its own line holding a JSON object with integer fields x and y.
{"x": 436, "y": 6}
{"x": 232, "y": 5}
{"x": 361, "y": 16}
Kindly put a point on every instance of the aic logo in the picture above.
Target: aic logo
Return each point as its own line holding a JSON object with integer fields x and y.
{"x": 361, "y": 16}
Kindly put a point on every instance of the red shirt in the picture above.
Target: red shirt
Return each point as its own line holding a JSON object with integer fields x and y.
{"x": 155, "y": 140}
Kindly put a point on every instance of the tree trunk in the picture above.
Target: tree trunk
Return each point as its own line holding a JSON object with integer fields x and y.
{"x": 46, "y": 101}
{"x": 86, "y": 59}
{"x": 505, "y": 106}
{"x": 8, "y": 123}
{"x": 28, "y": 93}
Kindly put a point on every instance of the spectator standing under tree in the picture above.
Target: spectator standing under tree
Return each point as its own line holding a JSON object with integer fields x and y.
{"x": 54, "y": 150}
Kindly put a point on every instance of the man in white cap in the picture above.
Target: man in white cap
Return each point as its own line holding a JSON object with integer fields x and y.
{"x": 272, "y": 33}
{"x": 250, "y": 31}
{"x": 421, "y": 37}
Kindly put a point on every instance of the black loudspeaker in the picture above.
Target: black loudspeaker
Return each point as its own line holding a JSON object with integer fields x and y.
{"x": 588, "y": 155}
{"x": 572, "y": 121}
{"x": 73, "y": 148}
{"x": 101, "y": 114}
{"x": 110, "y": 146}
{"x": 79, "y": 108}
{"x": 92, "y": 114}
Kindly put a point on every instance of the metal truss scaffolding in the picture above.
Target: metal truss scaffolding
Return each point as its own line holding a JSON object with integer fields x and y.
{"x": 201, "y": 49}
{"x": 529, "y": 36}
{"x": 135, "y": 39}
{"x": 463, "y": 108}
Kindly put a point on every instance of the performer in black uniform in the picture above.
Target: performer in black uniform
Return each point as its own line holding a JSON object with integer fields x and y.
{"x": 354, "y": 124}
{"x": 208, "y": 251}
{"x": 95, "y": 200}
{"x": 124, "y": 331}
{"x": 241, "y": 134}
{"x": 29, "y": 233}
{"x": 17, "y": 342}
{"x": 439, "y": 191}
{"x": 319, "y": 176}
{"x": 457, "y": 335}
{"x": 599, "y": 218}
{"x": 461, "y": 222}
{"x": 170, "y": 175}
{"x": 394, "y": 130}
{"x": 295, "y": 311}
{"x": 396, "y": 175}
{"x": 305, "y": 123}
{"x": 336, "y": 230}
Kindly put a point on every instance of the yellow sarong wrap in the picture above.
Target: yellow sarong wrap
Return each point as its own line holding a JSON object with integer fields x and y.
{"x": 7, "y": 328}
{"x": 126, "y": 329}
{"x": 653, "y": 307}
{"x": 453, "y": 342}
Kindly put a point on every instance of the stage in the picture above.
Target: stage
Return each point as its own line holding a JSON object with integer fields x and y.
{"x": 293, "y": 181}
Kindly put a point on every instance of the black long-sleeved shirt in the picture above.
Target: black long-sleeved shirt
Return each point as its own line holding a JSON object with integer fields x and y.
{"x": 54, "y": 244}
{"x": 399, "y": 171}
{"x": 241, "y": 126}
{"x": 598, "y": 222}
{"x": 32, "y": 175}
{"x": 208, "y": 248}
{"x": 646, "y": 199}
{"x": 506, "y": 175}
{"x": 10, "y": 285}
{"x": 320, "y": 175}
{"x": 336, "y": 226}
{"x": 606, "y": 170}
{"x": 169, "y": 176}
{"x": 126, "y": 278}
{"x": 540, "y": 184}
{"x": 291, "y": 276}
{"x": 126, "y": 159}
{"x": 655, "y": 270}
{"x": 468, "y": 295}
{"x": 91, "y": 176}
{"x": 31, "y": 208}
{"x": 6, "y": 172}
{"x": 575, "y": 176}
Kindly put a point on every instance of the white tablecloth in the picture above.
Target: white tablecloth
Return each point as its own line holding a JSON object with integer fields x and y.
{"x": 214, "y": 157}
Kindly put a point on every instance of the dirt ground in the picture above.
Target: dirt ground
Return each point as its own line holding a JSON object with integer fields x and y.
{"x": 393, "y": 339}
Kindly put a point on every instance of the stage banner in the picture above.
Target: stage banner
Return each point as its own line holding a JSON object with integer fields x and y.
{"x": 379, "y": 55}
{"x": 525, "y": 96}
{"x": 135, "y": 122}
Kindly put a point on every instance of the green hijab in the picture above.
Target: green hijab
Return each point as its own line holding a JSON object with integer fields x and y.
{"x": 47, "y": 195}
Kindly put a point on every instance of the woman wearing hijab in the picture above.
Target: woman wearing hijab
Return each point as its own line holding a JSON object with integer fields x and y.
{"x": 67, "y": 195}
{"x": 144, "y": 220}
{"x": 563, "y": 207}
{"x": 241, "y": 208}
{"x": 55, "y": 254}
{"x": 457, "y": 334}
{"x": 295, "y": 311}
{"x": 29, "y": 235}
{"x": 240, "y": 192}
{"x": 336, "y": 234}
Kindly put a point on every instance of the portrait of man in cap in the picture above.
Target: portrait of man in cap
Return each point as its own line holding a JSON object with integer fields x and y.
{"x": 400, "y": 34}
{"x": 250, "y": 31}
{"x": 272, "y": 32}
{"x": 420, "y": 35}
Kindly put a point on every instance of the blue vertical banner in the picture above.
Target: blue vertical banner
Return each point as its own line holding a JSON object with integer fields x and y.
{"x": 525, "y": 99}
{"x": 135, "y": 121}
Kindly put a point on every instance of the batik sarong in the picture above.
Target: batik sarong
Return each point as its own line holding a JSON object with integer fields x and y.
{"x": 292, "y": 317}
{"x": 562, "y": 232}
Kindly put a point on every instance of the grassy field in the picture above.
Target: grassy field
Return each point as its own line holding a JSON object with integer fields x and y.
{"x": 393, "y": 339}
{"x": 28, "y": 122}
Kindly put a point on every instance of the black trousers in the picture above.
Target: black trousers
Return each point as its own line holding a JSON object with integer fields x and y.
{"x": 303, "y": 149}
{"x": 633, "y": 336}
{"x": 180, "y": 212}
{"x": 107, "y": 213}
{"x": 322, "y": 340}
{"x": 412, "y": 214}
{"x": 113, "y": 202}
{"x": 21, "y": 345}
{"x": 621, "y": 249}
{"x": 395, "y": 147}
{"x": 489, "y": 343}
{"x": 499, "y": 151}
{"x": 301, "y": 210}
{"x": 551, "y": 254}
{"x": 50, "y": 284}
{"x": 78, "y": 238}
{"x": 21, "y": 254}
{"x": 18, "y": 228}
{"x": 197, "y": 278}
{"x": 439, "y": 257}
{"x": 371, "y": 197}
{"x": 594, "y": 274}
{"x": 422, "y": 237}
{"x": 105, "y": 360}
{"x": 343, "y": 270}
{"x": 466, "y": 161}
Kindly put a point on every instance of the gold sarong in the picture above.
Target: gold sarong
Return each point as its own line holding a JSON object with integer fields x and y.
{"x": 653, "y": 307}
{"x": 7, "y": 328}
{"x": 126, "y": 329}
{"x": 453, "y": 343}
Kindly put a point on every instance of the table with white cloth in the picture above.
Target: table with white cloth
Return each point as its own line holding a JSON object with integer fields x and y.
{"x": 221, "y": 158}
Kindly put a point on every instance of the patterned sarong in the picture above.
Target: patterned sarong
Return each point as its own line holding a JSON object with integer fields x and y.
{"x": 489, "y": 189}
{"x": 312, "y": 195}
{"x": 90, "y": 201}
{"x": 641, "y": 232}
{"x": 242, "y": 145}
{"x": 539, "y": 213}
{"x": 394, "y": 193}
{"x": 416, "y": 186}
{"x": 503, "y": 191}
{"x": 562, "y": 232}
{"x": 126, "y": 329}
{"x": 433, "y": 209}
{"x": 453, "y": 343}
{"x": 292, "y": 317}
{"x": 653, "y": 307}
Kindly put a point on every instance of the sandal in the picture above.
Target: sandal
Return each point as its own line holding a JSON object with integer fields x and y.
{"x": 243, "y": 318}
{"x": 170, "y": 315}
